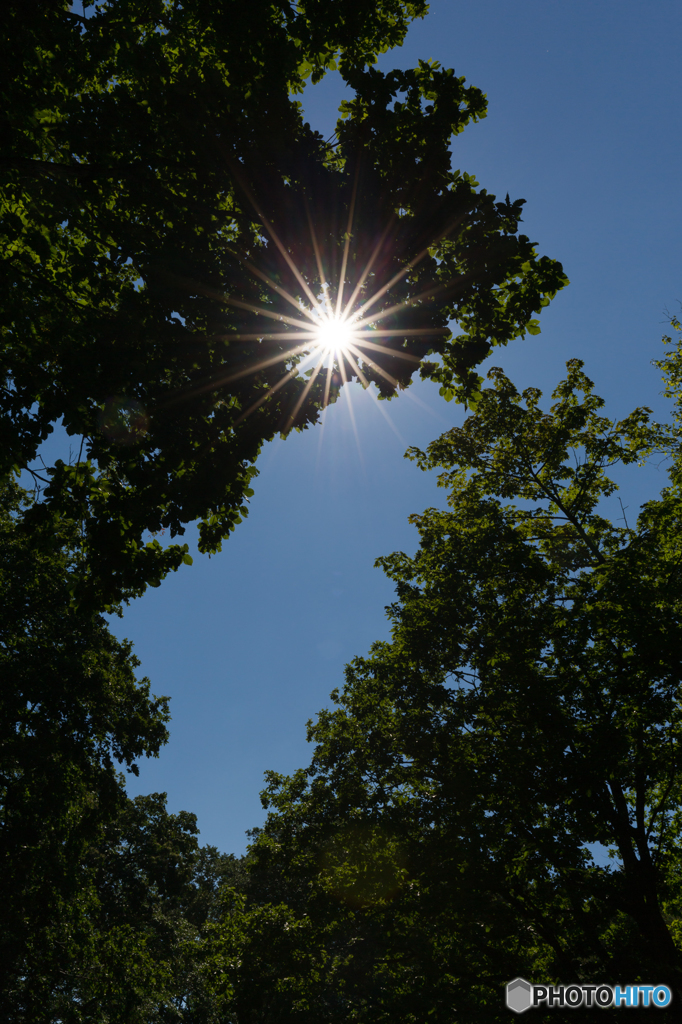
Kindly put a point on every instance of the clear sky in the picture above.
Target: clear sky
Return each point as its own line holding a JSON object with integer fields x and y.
{"x": 584, "y": 123}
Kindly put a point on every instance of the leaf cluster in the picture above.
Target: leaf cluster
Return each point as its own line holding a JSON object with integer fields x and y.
{"x": 524, "y": 716}
{"x": 160, "y": 192}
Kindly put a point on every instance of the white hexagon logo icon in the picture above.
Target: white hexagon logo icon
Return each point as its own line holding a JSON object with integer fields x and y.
{"x": 519, "y": 997}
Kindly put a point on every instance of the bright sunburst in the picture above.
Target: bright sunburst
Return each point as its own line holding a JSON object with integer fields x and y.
{"x": 334, "y": 335}
{"x": 325, "y": 335}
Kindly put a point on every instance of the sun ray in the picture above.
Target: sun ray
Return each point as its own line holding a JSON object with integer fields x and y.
{"x": 380, "y": 292}
{"x": 428, "y": 293}
{"x": 327, "y": 383}
{"x": 278, "y": 288}
{"x": 380, "y": 370}
{"x": 367, "y": 305}
{"x": 396, "y": 332}
{"x": 380, "y": 407}
{"x": 259, "y": 311}
{"x": 323, "y": 419}
{"x": 351, "y": 411}
{"x": 220, "y": 380}
{"x": 406, "y": 269}
{"x": 388, "y": 351}
{"x": 275, "y": 237}
{"x": 354, "y": 365}
{"x": 269, "y": 393}
{"x": 316, "y": 247}
{"x": 342, "y": 369}
{"x": 304, "y": 393}
{"x": 346, "y": 246}
{"x": 308, "y": 335}
{"x": 264, "y": 363}
{"x": 370, "y": 263}
{"x": 290, "y": 263}
{"x": 213, "y": 293}
{"x": 427, "y": 408}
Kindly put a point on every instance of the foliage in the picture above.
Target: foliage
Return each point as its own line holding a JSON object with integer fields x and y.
{"x": 104, "y": 898}
{"x": 161, "y": 199}
{"x": 70, "y": 707}
{"x": 158, "y": 181}
{"x": 124, "y": 945}
{"x": 525, "y": 715}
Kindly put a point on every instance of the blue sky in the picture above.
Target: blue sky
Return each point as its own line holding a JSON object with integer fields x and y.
{"x": 583, "y": 123}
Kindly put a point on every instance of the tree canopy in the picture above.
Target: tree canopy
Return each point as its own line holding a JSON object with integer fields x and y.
{"x": 166, "y": 212}
{"x": 172, "y": 233}
{"x": 497, "y": 791}
{"x": 104, "y": 898}
{"x": 71, "y": 708}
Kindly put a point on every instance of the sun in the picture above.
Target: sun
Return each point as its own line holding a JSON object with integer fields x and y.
{"x": 334, "y": 335}
{"x": 328, "y": 334}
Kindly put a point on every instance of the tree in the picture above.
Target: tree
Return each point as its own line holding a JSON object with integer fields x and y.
{"x": 104, "y": 898}
{"x": 161, "y": 193}
{"x": 70, "y": 707}
{"x": 167, "y": 220}
{"x": 125, "y": 944}
{"x": 525, "y": 713}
